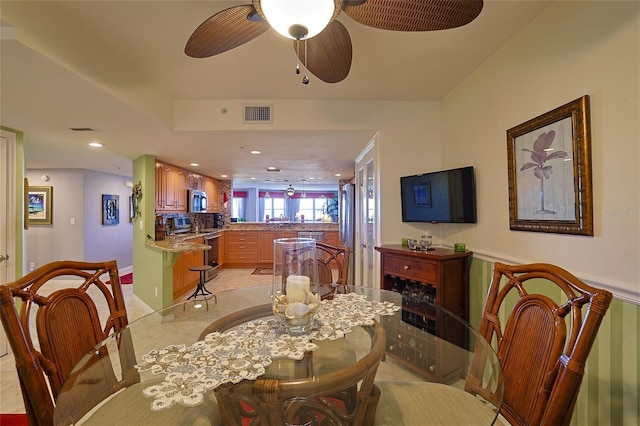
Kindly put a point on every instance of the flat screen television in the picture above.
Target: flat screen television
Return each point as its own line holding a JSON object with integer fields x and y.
{"x": 446, "y": 196}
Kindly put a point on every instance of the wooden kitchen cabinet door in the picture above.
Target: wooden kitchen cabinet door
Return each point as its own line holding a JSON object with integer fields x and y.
{"x": 195, "y": 181}
{"x": 212, "y": 188}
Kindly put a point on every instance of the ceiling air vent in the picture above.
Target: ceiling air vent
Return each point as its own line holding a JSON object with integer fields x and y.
{"x": 257, "y": 114}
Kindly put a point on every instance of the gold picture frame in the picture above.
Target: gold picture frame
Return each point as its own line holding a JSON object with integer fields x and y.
{"x": 40, "y": 205}
{"x": 549, "y": 170}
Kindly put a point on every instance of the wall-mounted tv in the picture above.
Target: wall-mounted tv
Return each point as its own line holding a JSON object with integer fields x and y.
{"x": 446, "y": 196}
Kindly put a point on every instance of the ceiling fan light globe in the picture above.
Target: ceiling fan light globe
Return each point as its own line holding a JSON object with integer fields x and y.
{"x": 314, "y": 15}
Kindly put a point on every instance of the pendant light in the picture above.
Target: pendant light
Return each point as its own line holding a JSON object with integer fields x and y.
{"x": 290, "y": 191}
{"x": 266, "y": 193}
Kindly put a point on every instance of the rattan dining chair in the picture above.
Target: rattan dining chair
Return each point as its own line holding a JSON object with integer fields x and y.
{"x": 332, "y": 264}
{"x": 68, "y": 324}
{"x": 544, "y": 342}
{"x": 333, "y": 268}
{"x": 542, "y": 322}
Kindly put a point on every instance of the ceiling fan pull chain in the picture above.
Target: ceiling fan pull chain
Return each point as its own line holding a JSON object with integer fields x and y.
{"x": 305, "y": 79}
{"x": 298, "y": 56}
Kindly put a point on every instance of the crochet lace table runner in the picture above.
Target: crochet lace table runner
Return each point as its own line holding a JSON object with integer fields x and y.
{"x": 244, "y": 352}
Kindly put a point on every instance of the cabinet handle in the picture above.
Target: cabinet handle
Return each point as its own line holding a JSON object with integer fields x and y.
{"x": 407, "y": 267}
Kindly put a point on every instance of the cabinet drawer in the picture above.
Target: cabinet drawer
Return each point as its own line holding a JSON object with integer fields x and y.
{"x": 241, "y": 257}
{"x": 240, "y": 246}
{"x": 240, "y": 236}
{"x": 410, "y": 268}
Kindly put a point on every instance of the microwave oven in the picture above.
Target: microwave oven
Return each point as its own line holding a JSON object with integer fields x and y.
{"x": 197, "y": 201}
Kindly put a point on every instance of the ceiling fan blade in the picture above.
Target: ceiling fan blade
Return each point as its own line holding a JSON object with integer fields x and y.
{"x": 414, "y": 15}
{"x": 224, "y": 31}
{"x": 330, "y": 53}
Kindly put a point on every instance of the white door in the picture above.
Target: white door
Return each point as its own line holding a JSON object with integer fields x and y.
{"x": 366, "y": 217}
{"x": 7, "y": 215}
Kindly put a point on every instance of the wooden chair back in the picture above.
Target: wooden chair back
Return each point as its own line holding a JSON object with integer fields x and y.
{"x": 332, "y": 263}
{"x": 68, "y": 325}
{"x": 544, "y": 344}
{"x": 332, "y": 259}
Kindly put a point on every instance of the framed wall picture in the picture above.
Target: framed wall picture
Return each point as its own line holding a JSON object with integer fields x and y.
{"x": 549, "y": 168}
{"x": 110, "y": 209}
{"x": 40, "y": 205}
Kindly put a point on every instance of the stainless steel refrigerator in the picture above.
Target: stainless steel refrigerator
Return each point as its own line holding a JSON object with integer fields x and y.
{"x": 348, "y": 224}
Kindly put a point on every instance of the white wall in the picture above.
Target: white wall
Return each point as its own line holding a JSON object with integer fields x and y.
{"x": 572, "y": 49}
{"x": 46, "y": 243}
{"x": 409, "y": 138}
{"x": 102, "y": 242}
{"x": 77, "y": 194}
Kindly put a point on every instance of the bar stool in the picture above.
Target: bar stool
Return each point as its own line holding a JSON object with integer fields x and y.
{"x": 201, "y": 290}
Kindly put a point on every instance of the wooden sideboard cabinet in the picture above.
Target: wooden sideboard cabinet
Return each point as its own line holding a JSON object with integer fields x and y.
{"x": 439, "y": 277}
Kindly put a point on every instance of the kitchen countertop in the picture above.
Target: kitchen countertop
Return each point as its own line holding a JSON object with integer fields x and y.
{"x": 177, "y": 246}
{"x": 276, "y": 226}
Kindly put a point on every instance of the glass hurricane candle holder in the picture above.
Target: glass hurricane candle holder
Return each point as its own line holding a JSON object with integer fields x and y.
{"x": 295, "y": 282}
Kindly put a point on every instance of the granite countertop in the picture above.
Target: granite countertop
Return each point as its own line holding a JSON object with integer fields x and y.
{"x": 177, "y": 246}
{"x": 275, "y": 226}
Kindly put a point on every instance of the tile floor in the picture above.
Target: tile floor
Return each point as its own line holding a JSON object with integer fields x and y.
{"x": 10, "y": 395}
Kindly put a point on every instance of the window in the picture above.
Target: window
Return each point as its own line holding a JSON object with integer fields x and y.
{"x": 274, "y": 207}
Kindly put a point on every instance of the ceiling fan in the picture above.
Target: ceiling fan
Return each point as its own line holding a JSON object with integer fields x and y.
{"x": 329, "y": 47}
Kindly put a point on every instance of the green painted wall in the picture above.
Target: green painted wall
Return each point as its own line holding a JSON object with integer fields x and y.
{"x": 152, "y": 268}
{"x": 610, "y": 388}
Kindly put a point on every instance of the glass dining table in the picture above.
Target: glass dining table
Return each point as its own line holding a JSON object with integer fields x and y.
{"x": 234, "y": 363}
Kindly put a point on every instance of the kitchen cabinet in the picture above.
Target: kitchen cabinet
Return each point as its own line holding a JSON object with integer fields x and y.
{"x": 212, "y": 188}
{"x": 195, "y": 181}
{"x": 242, "y": 247}
{"x": 171, "y": 188}
{"x": 160, "y": 187}
{"x": 439, "y": 277}
{"x": 184, "y": 280}
{"x": 331, "y": 237}
{"x": 265, "y": 243}
{"x": 222, "y": 248}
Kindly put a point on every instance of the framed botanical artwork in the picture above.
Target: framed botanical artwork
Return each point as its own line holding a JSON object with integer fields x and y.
{"x": 549, "y": 169}
{"x": 40, "y": 205}
{"x": 110, "y": 209}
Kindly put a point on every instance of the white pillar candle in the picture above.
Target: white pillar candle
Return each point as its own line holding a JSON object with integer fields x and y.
{"x": 297, "y": 288}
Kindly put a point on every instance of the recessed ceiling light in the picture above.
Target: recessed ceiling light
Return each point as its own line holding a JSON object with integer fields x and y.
{"x": 311, "y": 178}
{"x": 96, "y": 144}
{"x": 224, "y": 176}
{"x": 337, "y": 175}
{"x": 253, "y": 178}
{"x": 194, "y": 164}
{"x": 256, "y": 152}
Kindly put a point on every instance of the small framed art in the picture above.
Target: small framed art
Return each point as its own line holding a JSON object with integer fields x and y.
{"x": 40, "y": 205}
{"x": 110, "y": 209}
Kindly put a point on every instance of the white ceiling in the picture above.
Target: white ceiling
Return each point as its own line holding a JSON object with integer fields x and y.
{"x": 116, "y": 67}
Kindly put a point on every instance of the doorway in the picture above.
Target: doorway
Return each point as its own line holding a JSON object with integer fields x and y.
{"x": 366, "y": 216}
{"x": 7, "y": 216}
